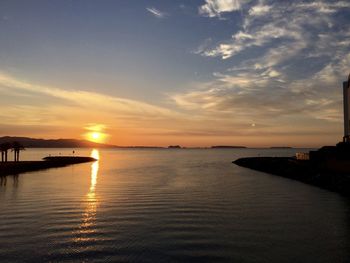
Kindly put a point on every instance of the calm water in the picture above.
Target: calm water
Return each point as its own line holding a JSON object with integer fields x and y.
{"x": 168, "y": 206}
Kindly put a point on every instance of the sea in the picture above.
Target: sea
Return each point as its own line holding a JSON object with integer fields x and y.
{"x": 168, "y": 205}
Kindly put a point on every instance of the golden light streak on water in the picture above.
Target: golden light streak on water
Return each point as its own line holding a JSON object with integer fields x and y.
{"x": 94, "y": 171}
{"x": 87, "y": 225}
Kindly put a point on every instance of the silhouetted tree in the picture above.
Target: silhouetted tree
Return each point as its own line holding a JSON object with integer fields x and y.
{"x": 4, "y": 147}
{"x": 16, "y": 148}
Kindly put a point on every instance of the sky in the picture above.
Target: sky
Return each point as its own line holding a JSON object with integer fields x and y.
{"x": 257, "y": 73}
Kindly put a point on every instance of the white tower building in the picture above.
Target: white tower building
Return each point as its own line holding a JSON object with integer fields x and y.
{"x": 346, "y": 100}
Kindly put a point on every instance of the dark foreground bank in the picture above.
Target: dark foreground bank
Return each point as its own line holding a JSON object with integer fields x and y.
{"x": 304, "y": 171}
{"x": 13, "y": 168}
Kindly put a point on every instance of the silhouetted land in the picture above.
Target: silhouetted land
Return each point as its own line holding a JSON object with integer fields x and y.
{"x": 227, "y": 147}
{"x": 53, "y": 143}
{"x": 281, "y": 147}
{"x": 13, "y": 168}
{"x": 174, "y": 147}
{"x": 304, "y": 171}
{"x": 66, "y": 143}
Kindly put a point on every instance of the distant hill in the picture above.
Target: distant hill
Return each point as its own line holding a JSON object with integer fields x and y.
{"x": 53, "y": 143}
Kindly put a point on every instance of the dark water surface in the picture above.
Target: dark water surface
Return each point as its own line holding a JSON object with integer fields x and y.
{"x": 169, "y": 206}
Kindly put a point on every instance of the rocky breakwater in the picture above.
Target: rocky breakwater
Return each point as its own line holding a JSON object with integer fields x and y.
{"x": 14, "y": 168}
{"x": 302, "y": 170}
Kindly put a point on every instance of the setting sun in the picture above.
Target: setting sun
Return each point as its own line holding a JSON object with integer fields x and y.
{"x": 95, "y": 133}
{"x": 95, "y": 137}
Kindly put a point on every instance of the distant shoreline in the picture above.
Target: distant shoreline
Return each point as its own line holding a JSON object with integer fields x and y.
{"x": 74, "y": 143}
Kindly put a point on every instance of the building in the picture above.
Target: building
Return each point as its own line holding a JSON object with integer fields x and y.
{"x": 346, "y": 100}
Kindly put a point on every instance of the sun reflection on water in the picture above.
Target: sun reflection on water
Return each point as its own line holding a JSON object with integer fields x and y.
{"x": 94, "y": 171}
{"x": 87, "y": 225}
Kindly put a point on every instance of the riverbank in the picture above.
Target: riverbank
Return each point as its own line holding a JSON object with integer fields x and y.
{"x": 304, "y": 171}
{"x": 14, "y": 168}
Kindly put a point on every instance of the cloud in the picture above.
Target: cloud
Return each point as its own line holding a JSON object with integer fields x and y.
{"x": 324, "y": 7}
{"x": 157, "y": 13}
{"x": 203, "y": 46}
{"x": 253, "y": 97}
{"x": 85, "y": 98}
{"x": 76, "y": 108}
{"x": 214, "y": 8}
{"x": 259, "y": 10}
{"x": 257, "y": 37}
{"x": 264, "y": 25}
{"x": 287, "y": 67}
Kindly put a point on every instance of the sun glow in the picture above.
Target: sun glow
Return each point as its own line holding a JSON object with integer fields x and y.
{"x": 95, "y": 136}
{"x": 95, "y": 133}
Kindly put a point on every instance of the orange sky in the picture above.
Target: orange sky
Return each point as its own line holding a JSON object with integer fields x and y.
{"x": 51, "y": 112}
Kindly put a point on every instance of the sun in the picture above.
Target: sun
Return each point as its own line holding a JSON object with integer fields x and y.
{"x": 95, "y": 133}
{"x": 95, "y": 137}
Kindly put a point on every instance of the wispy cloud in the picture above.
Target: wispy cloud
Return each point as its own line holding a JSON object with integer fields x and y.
{"x": 203, "y": 46}
{"x": 157, "y": 13}
{"x": 246, "y": 97}
{"x": 76, "y": 108}
{"x": 85, "y": 98}
{"x": 324, "y": 6}
{"x": 214, "y": 8}
{"x": 256, "y": 37}
{"x": 280, "y": 23}
{"x": 287, "y": 67}
{"x": 259, "y": 10}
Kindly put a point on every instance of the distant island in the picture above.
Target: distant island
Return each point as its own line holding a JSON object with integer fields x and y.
{"x": 227, "y": 147}
{"x": 174, "y": 147}
{"x": 281, "y": 147}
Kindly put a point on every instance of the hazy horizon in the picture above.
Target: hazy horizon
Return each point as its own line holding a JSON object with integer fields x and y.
{"x": 157, "y": 146}
{"x": 257, "y": 73}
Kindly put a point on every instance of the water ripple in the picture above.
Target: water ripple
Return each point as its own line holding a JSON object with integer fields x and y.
{"x": 169, "y": 206}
